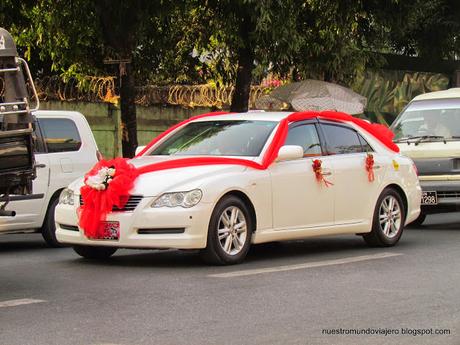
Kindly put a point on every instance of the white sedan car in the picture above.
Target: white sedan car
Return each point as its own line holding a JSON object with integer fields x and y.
{"x": 319, "y": 184}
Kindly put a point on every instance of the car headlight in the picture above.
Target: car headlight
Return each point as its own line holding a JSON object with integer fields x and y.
{"x": 183, "y": 199}
{"x": 66, "y": 197}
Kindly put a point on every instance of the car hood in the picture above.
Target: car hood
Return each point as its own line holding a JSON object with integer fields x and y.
{"x": 173, "y": 180}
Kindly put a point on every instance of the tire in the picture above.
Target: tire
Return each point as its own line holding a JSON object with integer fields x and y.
{"x": 419, "y": 221}
{"x": 387, "y": 233}
{"x": 95, "y": 253}
{"x": 234, "y": 242}
{"x": 48, "y": 229}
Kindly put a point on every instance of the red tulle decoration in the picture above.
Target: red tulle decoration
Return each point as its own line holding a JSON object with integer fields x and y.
{"x": 318, "y": 170}
{"x": 370, "y": 167}
{"x": 98, "y": 203}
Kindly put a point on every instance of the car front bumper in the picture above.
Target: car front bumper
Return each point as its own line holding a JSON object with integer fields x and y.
{"x": 145, "y": 227}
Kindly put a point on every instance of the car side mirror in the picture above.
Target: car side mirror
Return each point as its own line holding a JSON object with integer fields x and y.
{"x": 289, "y": 152}
{"x": 139, "y": 149}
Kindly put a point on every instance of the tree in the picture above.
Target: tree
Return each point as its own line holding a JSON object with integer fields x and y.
{"x": 247, "y": 33}
{"x": 77, "y": 36}
{"x": 429, "y": 29}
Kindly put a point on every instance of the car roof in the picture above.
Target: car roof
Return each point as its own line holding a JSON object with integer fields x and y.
{"x": 450, "y": 93}
{"x": 251, "y": 115}
{"x": 58, "y": 113}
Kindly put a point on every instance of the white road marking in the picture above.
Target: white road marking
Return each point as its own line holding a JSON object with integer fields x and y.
{"x": 314, "y": 264}
{"x": 16, "y": 302}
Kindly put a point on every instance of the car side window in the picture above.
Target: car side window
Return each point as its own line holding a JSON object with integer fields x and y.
{"x": 60, "y": 135}
{"x": 39, "y": 146}
{"x": 365, "y": 144}
{"x": 307, "y": 137}
{"x": 341, "y": 140}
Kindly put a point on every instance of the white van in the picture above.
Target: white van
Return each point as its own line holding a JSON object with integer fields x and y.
{"x": 428, "y": 131}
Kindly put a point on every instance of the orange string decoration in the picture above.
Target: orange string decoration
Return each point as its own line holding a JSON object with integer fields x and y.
{"x": 370, "y": 167}
{"x": 318, "y": 170}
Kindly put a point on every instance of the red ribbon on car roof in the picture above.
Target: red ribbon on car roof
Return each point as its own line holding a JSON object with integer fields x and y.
{"x": 97, "y": 203}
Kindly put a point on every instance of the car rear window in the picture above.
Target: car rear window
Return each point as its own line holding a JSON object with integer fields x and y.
{"x": 341, "y": 140}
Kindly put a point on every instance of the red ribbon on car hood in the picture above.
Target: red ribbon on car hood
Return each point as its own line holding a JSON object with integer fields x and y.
{"x": 102, "y": 191}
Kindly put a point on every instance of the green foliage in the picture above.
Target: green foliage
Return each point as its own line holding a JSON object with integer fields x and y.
{"x": 196, "y": 41}
{"x": 423, "y": 28}
{"x": 388, "y": 92}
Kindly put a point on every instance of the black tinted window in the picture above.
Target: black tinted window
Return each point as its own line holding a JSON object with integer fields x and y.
{"x": 60, "y": 135}
{"x": 307, "y": 137}
{"x": 341, "y": 140}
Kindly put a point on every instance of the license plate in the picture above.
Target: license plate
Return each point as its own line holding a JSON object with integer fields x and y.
{"x": 429, "y": 198}
{"x": 108, "y": 231}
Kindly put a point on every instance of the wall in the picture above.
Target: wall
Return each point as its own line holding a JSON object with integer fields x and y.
{"x": 104, "y": 120}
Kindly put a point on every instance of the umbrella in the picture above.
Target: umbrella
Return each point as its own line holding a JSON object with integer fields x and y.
{"x": 314, "y": 95}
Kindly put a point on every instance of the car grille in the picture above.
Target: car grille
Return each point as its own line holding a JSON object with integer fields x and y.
{"x": 450, "y": 194}
{"x": 130, "y": 205}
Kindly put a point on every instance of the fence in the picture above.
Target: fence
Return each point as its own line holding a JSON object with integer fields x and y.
{"x": 162, "y": 106}
{"x": 102, "y": 89}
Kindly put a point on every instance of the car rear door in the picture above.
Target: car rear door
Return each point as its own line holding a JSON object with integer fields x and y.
{"x": 355, "y": 195}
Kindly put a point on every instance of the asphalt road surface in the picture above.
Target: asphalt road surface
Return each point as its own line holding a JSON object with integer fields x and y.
{"x": 290, "y": 293}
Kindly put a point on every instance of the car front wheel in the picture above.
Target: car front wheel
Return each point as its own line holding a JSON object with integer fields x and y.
{"x": 94, "y": 253}
{"x": 48, "y": 229}
{"x": 388, "y": 220}
{"x": 229, "y": 232}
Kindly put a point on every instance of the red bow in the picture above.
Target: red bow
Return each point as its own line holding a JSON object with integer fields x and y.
{"x": 99, "y": 201}
{"x": 370, "y": 167}
{"x": 318, "y": 170}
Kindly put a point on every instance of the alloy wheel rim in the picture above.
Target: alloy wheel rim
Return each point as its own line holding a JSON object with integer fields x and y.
{"x": 232, "y": 230}
{"x": 390, "y": 216}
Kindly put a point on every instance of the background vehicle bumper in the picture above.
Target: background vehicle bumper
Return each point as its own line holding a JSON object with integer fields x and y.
{"x": 146, "y": 227}
{"x": 448, "y": 193}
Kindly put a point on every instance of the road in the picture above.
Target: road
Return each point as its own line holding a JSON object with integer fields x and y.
{"x": 287, "y": 293}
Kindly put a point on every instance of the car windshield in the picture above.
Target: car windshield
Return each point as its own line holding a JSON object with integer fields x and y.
{"x": 218, "y": 138}
{"x": 429, "y": 120}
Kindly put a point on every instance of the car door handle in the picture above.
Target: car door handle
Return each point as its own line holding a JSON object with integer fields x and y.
{"x": 40, "y": 166}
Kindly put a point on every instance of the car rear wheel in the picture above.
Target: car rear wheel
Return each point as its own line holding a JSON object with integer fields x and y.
{"x": 94, "y": 253}
{"x": 388, "y": 220}
{"x": 229, "y": 232}
{"x": 49, "y": 227}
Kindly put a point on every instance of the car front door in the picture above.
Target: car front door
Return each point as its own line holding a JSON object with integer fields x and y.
{"x": 299, "y": 200}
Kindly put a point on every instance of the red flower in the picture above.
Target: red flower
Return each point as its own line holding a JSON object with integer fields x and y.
{"x": 318, "y": 170}
{"x": 370, "y": 167}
